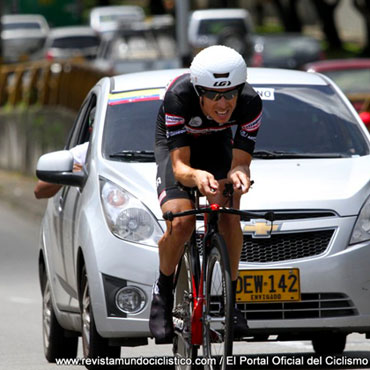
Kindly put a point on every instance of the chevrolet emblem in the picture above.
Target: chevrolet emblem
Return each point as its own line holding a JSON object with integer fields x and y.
{"x": 260, "y": 229}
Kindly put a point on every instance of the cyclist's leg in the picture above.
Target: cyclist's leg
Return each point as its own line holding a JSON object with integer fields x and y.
{"x": 173, "y": 198}
{"x": 171, "y": 245}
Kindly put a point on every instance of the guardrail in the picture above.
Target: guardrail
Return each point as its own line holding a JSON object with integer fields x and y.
{"x": 62, "y": 83}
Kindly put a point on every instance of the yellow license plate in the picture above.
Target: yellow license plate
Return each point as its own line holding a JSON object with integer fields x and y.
{"x": 268, "y": 285}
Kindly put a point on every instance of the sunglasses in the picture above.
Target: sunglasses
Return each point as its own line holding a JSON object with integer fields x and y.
{"x": 217, "y": 95}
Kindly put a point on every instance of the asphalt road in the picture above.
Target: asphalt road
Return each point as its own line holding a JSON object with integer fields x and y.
{"x": 20, "y": 314}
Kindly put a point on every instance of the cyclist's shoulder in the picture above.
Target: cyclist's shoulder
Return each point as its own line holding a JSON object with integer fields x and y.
{"x": 249, "y": 93}
{"x": 180, "y": 91}
{"x": 180, "y": 84}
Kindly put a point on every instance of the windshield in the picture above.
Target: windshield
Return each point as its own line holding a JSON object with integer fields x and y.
{"x": 216, "y": 26}
{"x": 23, "y": 26}
{"x": 288, "y": 47}
{"x": 310, "y": 121}
{"x": 129, "y": 127}
{"x": 76, "y": 42}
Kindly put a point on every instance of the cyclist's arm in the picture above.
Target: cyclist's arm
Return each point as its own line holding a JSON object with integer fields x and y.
{"x": 239, "y": 173}
{"x": 189, "y": 176}
{"x": 45, "y": 189}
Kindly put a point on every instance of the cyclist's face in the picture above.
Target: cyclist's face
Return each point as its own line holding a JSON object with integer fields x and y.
{"x": 219, "y": 110}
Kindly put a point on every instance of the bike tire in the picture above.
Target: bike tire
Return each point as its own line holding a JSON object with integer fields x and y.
{"x": 184, "y": 351}
{"x": 218, "y": 311}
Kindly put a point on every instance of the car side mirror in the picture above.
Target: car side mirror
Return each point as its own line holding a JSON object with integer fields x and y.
{"x": 365, "y": 116}
{"x": 57, "y": 168}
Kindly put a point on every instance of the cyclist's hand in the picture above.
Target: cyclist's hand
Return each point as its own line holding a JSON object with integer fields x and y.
{"x": 206, "y": 183}
{"x": 241, "y": 182}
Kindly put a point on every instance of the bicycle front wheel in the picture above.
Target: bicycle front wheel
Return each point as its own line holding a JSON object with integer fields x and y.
{"x": 183, "y": 349}
{"x": 218, "y": 311}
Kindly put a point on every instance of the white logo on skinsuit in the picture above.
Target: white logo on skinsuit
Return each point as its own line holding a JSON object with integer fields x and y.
{"x": 195, "y": 122}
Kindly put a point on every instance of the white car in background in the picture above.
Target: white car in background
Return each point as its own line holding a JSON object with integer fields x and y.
{"x": 22, "y": 36}
{"x": 98, "y": 254}
{"x": 72, "y": 42}
{"x": 230, "y": 27}
{"x": 105, "y": 19}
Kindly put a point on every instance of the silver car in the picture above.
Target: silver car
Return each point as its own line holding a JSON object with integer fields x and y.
{"x": 71, "y": 42}
{"x": 23, "y": 36}
{"x": 304, "y": 277}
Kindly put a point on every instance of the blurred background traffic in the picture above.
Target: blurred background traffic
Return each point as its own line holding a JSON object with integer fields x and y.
{"x": 53, "y": 51}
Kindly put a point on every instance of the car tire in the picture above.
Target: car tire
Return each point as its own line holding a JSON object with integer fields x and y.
{"x": 57, "y": 345}
{"x": 329, "y": 343}
{"x": 93, "y": 344}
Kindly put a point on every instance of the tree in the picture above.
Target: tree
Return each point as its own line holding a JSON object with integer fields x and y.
{"x": 288, "y": 15}
{"x": 363, "y": 6}
{"x": 325, "y": 11}
{"x": 156, "y": 7}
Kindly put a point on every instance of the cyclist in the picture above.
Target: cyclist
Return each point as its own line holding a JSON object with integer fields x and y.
{"x": 194, "y": 147}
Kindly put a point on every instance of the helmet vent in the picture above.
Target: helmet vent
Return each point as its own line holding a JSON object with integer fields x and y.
{"x": 221, "y": 75}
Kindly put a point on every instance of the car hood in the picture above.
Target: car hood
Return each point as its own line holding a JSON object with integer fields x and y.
{"x": 341, "y": 185}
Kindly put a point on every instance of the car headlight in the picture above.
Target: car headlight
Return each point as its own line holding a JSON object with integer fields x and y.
{"x": 127, "y": 217}
{"x": 361, "y": 231}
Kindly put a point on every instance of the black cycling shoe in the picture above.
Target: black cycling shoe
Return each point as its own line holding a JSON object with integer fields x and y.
{"x": 160, "y": 321}
{"x": 241, "y": 328}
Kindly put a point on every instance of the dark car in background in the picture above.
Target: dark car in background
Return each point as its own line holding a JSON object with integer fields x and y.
{"x": 72, "y": 42}
{"x": 286, "y": 50}
{"x": 22, "y": 36}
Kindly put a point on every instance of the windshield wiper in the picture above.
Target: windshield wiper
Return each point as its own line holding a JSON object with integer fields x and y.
{"x": 275, "y": 154}
{"x": 134, "y": 155}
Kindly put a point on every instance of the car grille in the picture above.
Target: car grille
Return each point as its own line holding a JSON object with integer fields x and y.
{"x": 311, "y": 306}
{"x": 282, "y": 247}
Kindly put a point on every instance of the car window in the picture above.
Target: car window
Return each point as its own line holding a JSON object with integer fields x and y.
{"x": 74, "y": 42}
{"x": 280, "y": 47}
{"x": 80, "y": 132}
{"x": 23, "y": 26}
{"x": 352, "y": 80}
{"x": 216, "y": 26}
{"x": 130, "y": 126}
{"x": 308, "y": 119}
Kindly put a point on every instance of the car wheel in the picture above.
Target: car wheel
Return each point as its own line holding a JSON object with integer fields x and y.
{"x": 94, "y": 346}
{"x": 329, "y": 343}
{"x": 56, "y": 343}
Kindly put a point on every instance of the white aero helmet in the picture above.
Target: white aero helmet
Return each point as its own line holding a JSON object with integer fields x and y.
{"x": 218, "y": 67}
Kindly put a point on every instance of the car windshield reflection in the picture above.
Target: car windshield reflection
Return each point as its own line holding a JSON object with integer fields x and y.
{"x": 298, "y": 122}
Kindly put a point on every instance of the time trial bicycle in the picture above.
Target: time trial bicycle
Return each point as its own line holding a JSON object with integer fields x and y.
{"x": 203, "y": 299}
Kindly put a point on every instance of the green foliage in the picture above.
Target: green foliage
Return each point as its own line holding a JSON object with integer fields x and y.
{"x": 349, "y": 50}
{"x": 270, "y": 27}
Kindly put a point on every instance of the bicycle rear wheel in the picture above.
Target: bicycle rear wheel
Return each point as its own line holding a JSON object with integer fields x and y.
{"x": 184, "y": 351}
{"x": 218, "y": 313}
